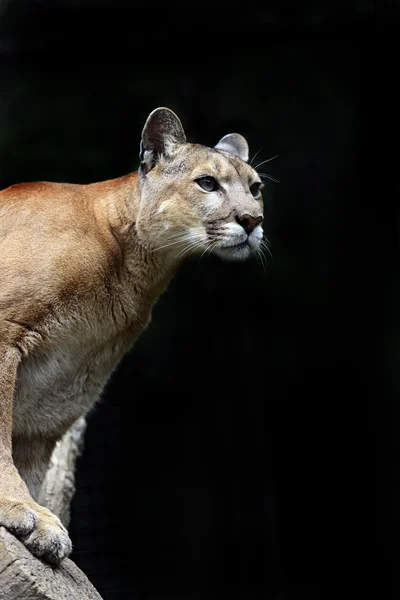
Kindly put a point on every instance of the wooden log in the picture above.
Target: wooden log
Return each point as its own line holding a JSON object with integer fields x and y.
{"x": 59, "y": 485}
{"x": 22, "y": 575}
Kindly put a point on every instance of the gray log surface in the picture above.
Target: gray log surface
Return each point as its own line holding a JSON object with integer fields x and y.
{"x": 22, "y": 575}
{"x": 59, "y": 485}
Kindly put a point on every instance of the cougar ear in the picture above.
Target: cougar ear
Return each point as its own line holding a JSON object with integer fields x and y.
{"x": 161, "y": 132}
{"x": 234, "y": 143}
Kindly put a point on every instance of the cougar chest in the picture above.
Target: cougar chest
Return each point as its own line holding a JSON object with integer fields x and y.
{"x": 61, "y": 380}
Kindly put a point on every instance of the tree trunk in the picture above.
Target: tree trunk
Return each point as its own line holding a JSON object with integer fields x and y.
{"x": 22, "y": 575}
{"x": 59, "y": 485}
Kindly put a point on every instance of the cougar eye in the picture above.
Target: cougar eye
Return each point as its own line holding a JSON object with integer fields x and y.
{"x": 255, "y": 188}
{"x": 207, "y": 183}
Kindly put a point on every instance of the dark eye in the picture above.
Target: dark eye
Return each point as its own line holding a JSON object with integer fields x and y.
{"x": 208, "y": 183}
{"x": 255, "y": 188}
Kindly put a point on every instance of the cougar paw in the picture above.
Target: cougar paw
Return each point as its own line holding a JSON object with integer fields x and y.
{"x": 37, "y": 528}
{"x": 17, "y": 517}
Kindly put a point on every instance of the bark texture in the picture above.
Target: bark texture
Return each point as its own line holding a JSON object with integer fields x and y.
{"x": 22, "y": 575}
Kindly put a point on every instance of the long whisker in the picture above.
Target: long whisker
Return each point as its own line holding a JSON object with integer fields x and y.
{"x": 208, "y": 249}
{"x": 266, "y": 242}
{"x": 178, "y": 238}
{"x": 266, "y": 247}
{"x": 178, "y": 235}
{"x": 192, "y": 246}
{"x": 186, "y": 249}
{"x": 265, "y": 258}
{"x": 182, "y": 234}
{"x": 264, "y": 252}
{"x": 179, "y": 241}
{"x": 265, "y": 161}
{"x": 204, "y": 252}
{"x": 262, "y": 259}
{"x": 269, "y": 177}
{"x": 212, "y": 246}
{"x": 196, "y": 247}
{"x": 254, "y": 157}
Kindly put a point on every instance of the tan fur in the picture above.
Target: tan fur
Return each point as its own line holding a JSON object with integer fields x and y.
{"x": 81, "y": 267}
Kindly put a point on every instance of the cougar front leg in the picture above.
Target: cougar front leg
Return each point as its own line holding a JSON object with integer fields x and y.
{"x": 31, "y": 457}
{"x": 37, "y": 528}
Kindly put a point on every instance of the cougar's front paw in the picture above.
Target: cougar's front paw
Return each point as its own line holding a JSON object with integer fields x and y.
{"x": 37, "y": 528}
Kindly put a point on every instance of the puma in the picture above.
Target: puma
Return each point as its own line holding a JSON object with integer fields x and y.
{"x": 81, "y": 267}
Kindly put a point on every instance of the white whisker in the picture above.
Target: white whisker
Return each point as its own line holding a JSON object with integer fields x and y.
{"x": 269, "y": 177}
{"x": 179, "y": 241}
{"x": 209, "y": 248}
{"x": 180, "y": 238}
{"x": 254, "y": 157}
{"x": 212, "y": 246}
{"x": 265, "y": 161}
{"x": 262, "y": 259}
{"x": 192, "y": 246}
{"x": 264, "y": 246}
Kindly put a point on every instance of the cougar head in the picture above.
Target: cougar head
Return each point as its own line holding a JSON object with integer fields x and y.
{"x": 195, "y": 198}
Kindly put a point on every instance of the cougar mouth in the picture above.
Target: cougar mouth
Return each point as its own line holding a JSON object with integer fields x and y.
{"x": 236, "y": 246}
{"x": 239, "y": 251}
{"x": 240, "y": 245}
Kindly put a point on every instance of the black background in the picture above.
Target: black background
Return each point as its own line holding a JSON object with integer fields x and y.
{"x": 249, "y": 445}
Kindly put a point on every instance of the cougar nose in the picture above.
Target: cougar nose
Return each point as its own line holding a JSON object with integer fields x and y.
{"x": 248, "y": 223}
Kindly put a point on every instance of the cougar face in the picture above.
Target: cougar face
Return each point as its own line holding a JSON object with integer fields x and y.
{"x": 195, "y": 198}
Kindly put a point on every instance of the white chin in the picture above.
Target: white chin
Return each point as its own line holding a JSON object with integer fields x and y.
{"x": 240, "y": 252}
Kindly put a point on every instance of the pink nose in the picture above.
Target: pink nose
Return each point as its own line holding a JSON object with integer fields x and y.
{"x": 248, "y": 222}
